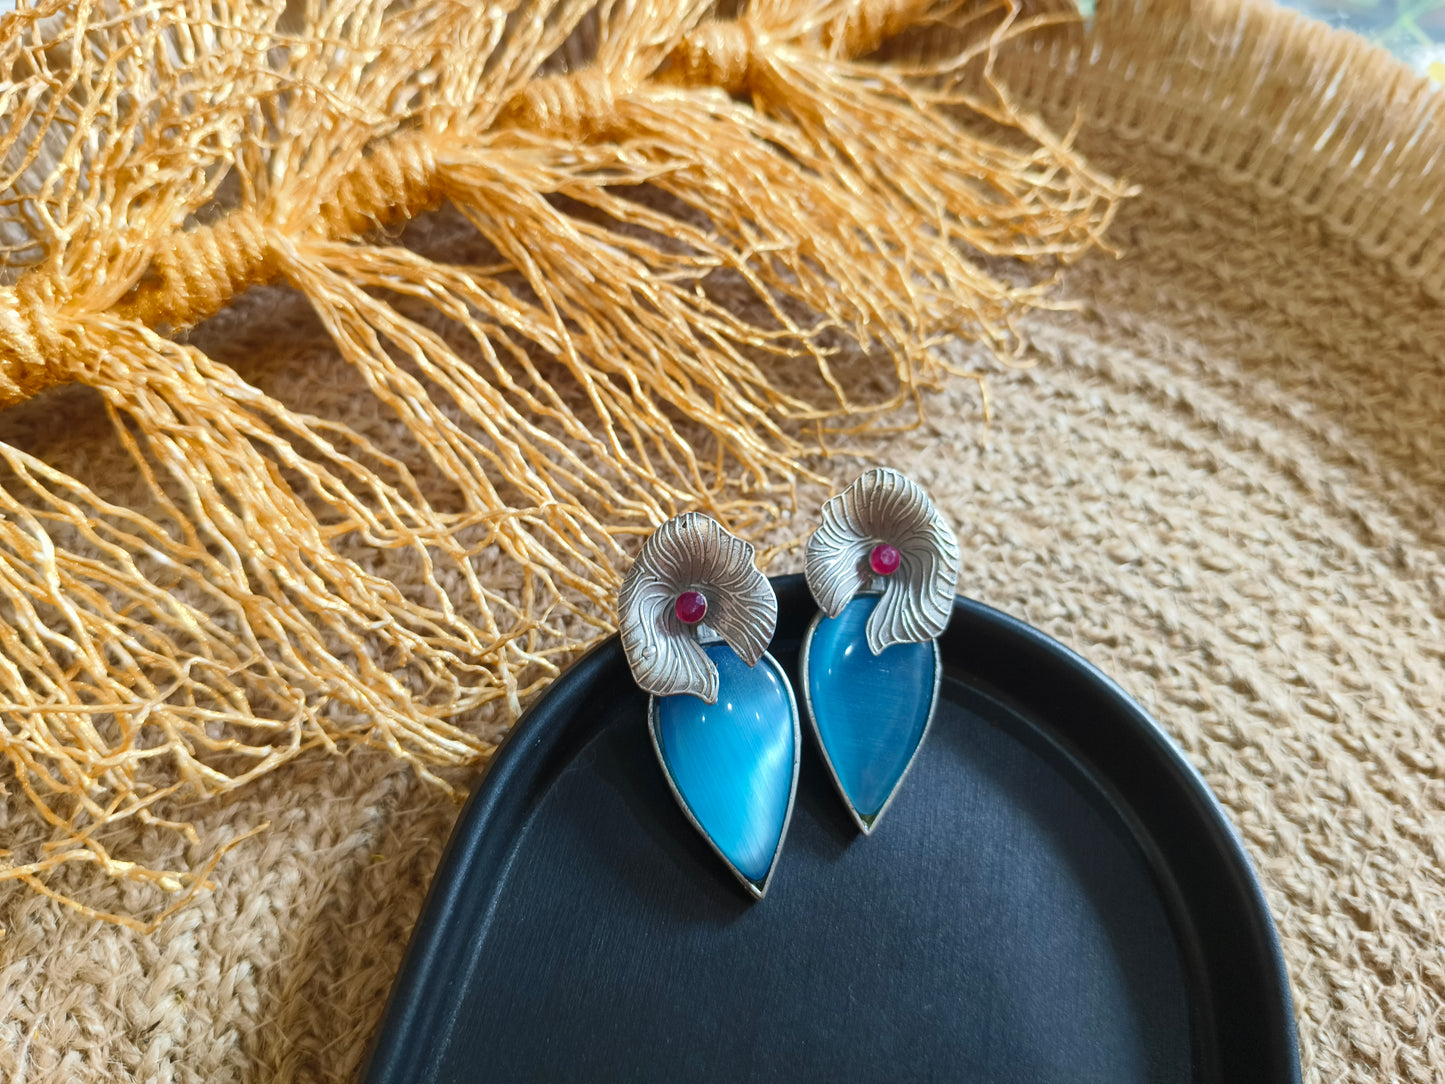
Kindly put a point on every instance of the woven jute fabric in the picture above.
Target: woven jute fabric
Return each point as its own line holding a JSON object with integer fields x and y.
{"x": 1223, "y": 481}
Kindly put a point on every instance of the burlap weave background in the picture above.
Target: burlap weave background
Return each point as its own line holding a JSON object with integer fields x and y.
{"x": 1223, "y": 482}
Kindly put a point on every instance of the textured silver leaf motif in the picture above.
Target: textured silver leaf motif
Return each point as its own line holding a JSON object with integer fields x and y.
{"x": 692, "y": 552}
{"x": 886, "y": 506}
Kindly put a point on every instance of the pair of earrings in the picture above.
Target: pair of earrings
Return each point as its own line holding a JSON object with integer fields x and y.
{"x": 696, "y": 616}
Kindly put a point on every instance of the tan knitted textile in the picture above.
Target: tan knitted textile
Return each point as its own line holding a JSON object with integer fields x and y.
{"x": 1223, "y": 482}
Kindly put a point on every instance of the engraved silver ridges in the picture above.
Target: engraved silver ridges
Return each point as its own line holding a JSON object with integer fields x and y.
{"x": 692, "y": 552}
{"x": 885, "y": 508}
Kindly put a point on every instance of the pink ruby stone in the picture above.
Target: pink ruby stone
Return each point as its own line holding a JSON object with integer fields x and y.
{"x": 884, "y": 559}
{"x": 691, "y": 607}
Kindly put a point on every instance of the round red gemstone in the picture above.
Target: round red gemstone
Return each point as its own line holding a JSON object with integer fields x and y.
{"x": 691, "y": 607}
{"x": 884, "y": 559}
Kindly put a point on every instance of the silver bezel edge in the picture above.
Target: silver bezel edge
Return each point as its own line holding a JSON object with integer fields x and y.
{"x": 866, "y": 827}
{"x": 757, "y": 891}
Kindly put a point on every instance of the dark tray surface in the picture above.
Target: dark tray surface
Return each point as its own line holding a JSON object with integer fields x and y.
{"x": 1053, "y": 896}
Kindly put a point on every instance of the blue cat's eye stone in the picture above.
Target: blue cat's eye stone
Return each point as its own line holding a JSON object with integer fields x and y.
{"x": 734, "y": 763}
{"x": 870, "y": 711}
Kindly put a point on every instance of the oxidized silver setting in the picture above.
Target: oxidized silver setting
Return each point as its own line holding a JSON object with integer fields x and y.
{"x": 692, "y": 552}
{"x": 915, "y": 601}
{"x": 886, "y": 506}
{"x": 756, "y": 889}
{"x": 865, "y": 824}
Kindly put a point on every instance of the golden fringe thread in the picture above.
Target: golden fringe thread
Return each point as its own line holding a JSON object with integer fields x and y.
{"x": 152, "y": 657}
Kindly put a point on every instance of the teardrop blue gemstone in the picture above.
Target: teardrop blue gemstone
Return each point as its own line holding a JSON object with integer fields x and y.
{"x": 870, "y": 711}
{"x": 734, "y": 764}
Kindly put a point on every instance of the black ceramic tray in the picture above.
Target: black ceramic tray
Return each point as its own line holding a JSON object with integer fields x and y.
{"x": 1053, "y": 896}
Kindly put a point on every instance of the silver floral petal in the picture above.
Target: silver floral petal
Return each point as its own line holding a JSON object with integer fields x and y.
{"x": 886, "y": 506}
{"x": 692, "y": 552}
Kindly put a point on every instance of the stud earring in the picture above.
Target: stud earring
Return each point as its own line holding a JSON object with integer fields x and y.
{"x": 882, "y": 567}
{"x": 695, "y": 617}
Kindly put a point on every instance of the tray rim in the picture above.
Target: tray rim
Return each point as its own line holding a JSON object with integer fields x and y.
{"x": 419, "y": 1004}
